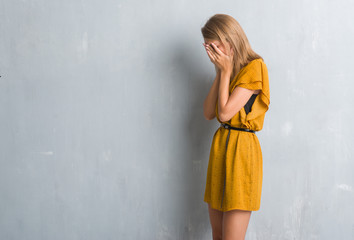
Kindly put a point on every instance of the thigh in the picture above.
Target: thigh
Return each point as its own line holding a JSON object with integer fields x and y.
{"x": 235, "y": 223}
{"x": 216, "y": 217}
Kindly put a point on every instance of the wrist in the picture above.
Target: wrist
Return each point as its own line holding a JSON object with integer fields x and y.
{"x": 225, "y": 72}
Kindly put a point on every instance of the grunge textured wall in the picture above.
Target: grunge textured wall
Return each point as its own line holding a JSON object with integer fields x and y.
{"x": 102, "y": 127}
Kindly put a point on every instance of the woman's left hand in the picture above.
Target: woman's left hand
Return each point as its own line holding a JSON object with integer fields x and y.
{"x": 223, "y": 61}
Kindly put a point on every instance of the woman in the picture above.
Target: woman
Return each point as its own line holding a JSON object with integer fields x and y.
{"x": 239, "y": 99}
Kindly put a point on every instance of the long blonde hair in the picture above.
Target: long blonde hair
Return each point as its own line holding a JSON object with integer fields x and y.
{"x": 224, "y": 28}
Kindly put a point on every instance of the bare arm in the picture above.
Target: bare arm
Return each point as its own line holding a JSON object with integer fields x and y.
{"x": 230, "y": 105}
{"x": 210, "y": 100}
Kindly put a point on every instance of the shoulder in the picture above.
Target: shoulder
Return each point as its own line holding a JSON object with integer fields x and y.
{"x": 254, "y": 67}
{"x": 252, "y": 70}
{"x": 254, "y": 64}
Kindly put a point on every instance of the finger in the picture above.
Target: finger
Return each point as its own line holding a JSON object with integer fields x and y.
{"x": 208, "y": 47}
{"x": 211, "y": 53}
{"x": 211, "y": 56}
{"x": 214, "y": 57}
{"x": 217, "y": 50}
{"x": 211, "y": 50}
{"x": 208, "y": 52}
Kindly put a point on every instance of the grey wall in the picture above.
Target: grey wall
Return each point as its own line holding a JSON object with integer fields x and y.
{"x": 102, "y": 128}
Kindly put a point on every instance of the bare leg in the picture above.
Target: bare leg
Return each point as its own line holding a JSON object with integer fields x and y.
{"x": 216, "y": 217}
{"x": 235, "y": 223}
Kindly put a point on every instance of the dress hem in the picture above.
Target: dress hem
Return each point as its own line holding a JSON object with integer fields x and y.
{"x": 232, "y": 208}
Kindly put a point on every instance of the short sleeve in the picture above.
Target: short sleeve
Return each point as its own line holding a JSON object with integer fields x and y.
{"x": 251, "y": 76}
{"x": 254, "y": 76}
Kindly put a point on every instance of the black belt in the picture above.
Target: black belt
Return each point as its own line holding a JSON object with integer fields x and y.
{"x": 227, "y": 126}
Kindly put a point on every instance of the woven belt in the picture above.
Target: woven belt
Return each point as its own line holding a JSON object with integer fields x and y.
{"x": 227, "y": 126}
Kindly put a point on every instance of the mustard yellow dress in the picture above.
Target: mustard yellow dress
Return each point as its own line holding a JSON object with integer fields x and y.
{"x": 235, "y": 168}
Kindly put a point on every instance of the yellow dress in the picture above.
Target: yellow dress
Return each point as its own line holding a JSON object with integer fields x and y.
{"x": 235, "y": 168}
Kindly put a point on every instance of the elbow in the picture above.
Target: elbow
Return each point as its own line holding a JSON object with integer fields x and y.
{"x": 209, "y": 116}
{"x": 224, "y": 118}
{"x": 222, "y": 115}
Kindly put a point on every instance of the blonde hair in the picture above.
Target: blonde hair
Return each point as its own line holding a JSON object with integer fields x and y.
{"x": 224, "y": 28}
